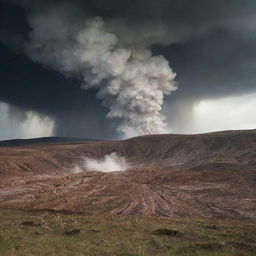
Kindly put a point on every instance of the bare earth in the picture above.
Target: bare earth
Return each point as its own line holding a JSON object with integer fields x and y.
{"x": 210, "y": 175}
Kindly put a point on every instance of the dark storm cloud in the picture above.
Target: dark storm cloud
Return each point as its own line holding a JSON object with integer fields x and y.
{"x": 28, "y": 86}
{"x": 218, "y": 64}
{"x": 209, "y": 44}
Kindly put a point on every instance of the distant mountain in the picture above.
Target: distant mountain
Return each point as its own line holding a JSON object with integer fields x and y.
{"x": 23, "y": 142}
{"x": 171, "y": 175}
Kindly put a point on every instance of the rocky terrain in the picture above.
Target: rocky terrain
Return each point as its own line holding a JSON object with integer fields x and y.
{"x": 208, "y": 175}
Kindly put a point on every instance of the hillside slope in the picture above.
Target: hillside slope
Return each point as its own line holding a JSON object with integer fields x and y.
{"x": 171, "y": 175}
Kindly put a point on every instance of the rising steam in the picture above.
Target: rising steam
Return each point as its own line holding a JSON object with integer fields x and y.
{"x": 130, "y": 81}
{"x": 110, "y": 163}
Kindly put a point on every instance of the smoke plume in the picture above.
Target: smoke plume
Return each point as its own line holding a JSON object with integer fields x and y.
{"x": 131, "y": 81}
{"x": 109, "y": 163}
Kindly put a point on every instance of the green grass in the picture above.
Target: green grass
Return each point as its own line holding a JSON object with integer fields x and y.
{"x": 43, "y": 233}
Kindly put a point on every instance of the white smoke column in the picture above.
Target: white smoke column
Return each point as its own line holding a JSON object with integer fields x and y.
{"x": 131, "y": 82}
{"x": 109, "y": 163}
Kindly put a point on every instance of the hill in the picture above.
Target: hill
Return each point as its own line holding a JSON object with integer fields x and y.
{"x": 207, "y": 175}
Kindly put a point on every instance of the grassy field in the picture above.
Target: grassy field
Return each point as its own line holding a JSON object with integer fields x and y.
{"x": 44, "y": 233}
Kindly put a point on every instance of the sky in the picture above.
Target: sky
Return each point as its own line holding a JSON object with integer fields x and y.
{"x": 117, "y": 69}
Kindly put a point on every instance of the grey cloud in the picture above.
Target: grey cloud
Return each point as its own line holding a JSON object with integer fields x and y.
{"x": 209, "y": 44}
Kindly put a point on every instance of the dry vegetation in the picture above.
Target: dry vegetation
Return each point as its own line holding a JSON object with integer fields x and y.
{"x": 44, "y": 233}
